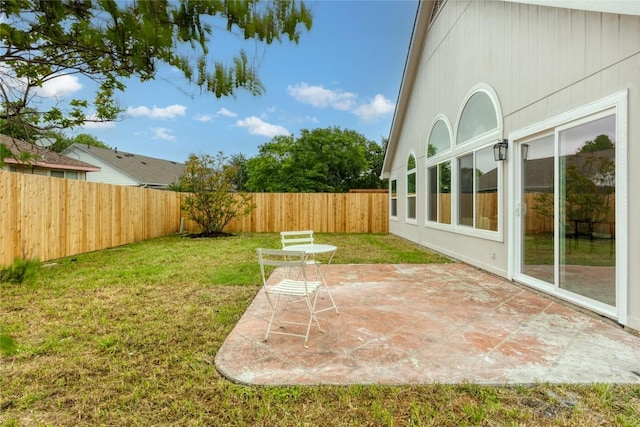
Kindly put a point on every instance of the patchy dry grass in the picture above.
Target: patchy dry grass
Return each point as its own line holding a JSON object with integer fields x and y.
{"x": 128, "y": 336}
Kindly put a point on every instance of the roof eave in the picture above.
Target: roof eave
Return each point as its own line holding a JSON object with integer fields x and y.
{"x": 52, "y": 165}
{"x": 624, "y": 7}
{"x": 418, "y": 37}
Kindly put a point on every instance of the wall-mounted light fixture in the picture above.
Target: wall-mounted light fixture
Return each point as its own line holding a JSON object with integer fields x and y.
{"x": 500, "y": 150}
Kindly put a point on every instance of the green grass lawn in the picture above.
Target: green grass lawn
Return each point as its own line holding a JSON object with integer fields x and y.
{"x": 127, "y": 336}
{"x": 539, "y": 250}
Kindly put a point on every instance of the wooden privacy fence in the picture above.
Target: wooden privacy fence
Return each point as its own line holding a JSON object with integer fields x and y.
{"x": 534, "y": 221}
{"x": 322, "y": 212}
{"x": 49, "y": 218}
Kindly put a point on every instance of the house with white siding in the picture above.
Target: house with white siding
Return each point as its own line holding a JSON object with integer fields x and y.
{"x": 35, "y": 160}
{"x": 514, "y": 141}
{"x": 121, "y": 168}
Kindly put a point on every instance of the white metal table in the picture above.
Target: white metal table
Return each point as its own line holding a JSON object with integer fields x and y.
{"x": 313, "y": 249}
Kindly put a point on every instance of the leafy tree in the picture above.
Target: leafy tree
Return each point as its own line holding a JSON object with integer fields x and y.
{"x": 587, "y": 188}
{"x": 375, "y": 158}
{"x": 17, "y": 130}
{"x": 544, "y": 205}
{"x": 600, "y": 143}
{"x": 16, "y": 127}
{"x": 589, "y": 184}
{"x": 267, "y": 171}
{"x": 108, "y": 42}
{"x": 82, "y": 139}
{"x": 239, "y": 162}
{"x": 321, "y": 160}
{"x": 212, "y": 202}
{"x": 58, "y": 140}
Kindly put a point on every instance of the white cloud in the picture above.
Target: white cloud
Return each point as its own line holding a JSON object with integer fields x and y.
{"x": 211, "y": 117}
{"x": 169, "y": 112}
{"x": 162, "y": 133}
{"x": 257, "y": 126}
{"x": 59, "y": 86}
{"x": 378, "y": 107}
{"x": 303, "y": 119}
{"x": 318, "y": 96}
{"x": 205, "y": 117}
{"x": 226, "y": 113}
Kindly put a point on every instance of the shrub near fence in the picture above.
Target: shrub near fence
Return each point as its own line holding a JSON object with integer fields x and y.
{"x": 48, "y": 218}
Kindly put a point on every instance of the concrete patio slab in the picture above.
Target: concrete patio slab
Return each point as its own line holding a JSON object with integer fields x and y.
{"x": 436, "y": 323}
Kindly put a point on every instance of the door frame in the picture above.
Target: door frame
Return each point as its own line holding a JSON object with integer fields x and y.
{"x": 616, "y": 102}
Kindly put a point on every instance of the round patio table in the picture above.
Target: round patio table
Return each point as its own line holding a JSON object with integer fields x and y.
{"x": 314, "y": 249}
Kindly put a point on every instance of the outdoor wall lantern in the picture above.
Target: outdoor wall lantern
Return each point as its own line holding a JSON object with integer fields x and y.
{"x": 500, "y": 150}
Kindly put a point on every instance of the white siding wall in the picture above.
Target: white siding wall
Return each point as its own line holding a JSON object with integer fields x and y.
{"x": 542, "y": 62}
{"x": 107, "y": 175}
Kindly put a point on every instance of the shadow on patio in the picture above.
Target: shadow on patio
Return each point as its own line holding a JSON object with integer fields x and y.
{"x": 436, "y": 323}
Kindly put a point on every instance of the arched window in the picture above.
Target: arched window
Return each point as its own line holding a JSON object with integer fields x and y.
{"x": 411, "y": 187}
{"x": 439, "y": 174}
{"x": 478, "y": 117}
{"x": 439, "y": 138}
{"x": 477, "y": 174}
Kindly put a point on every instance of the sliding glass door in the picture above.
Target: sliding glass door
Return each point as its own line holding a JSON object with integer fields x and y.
{"x": 537, "y": 209}
{"x": 586, "y": 201}
{"x": 565, "y": 212}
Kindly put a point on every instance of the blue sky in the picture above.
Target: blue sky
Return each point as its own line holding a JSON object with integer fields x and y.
{"x": 345, "y": 72}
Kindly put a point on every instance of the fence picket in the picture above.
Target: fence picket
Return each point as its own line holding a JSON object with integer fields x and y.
{"x": 49, "y": 218}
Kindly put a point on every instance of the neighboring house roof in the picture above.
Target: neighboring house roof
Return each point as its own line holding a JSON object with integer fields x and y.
{"x": 119, "y": 167}
{"x": 419, "y": 35}
{"x": 41, "y": 157}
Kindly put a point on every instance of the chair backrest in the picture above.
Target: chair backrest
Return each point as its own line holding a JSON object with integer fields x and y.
{"x": 281, "y": 258}
{"x": 299, "y": 237}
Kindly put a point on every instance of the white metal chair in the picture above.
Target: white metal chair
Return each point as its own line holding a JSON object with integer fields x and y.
{"x": 299, "y": 288}
{"x": 300, "y": 237}
{"x": 305, "y": 237}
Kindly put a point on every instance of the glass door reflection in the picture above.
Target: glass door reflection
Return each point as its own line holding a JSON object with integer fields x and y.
{"x": 587, "y": 190}
{"x": 537, "y": 209}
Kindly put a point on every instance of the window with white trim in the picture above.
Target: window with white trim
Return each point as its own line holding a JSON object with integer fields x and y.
{"x": 411, "y": 187}
{"x": 478, "y": 190}
{"x": 55, "y": 173}
{"x": 478, "y": 117}
{"x": 393, "y": 202}
{"x": 439, "y": 174}
{"x": 439, "y": 139}
{"x": 64, "y": 174}
{"x": 477, "y": 174}
{"x": 439, "y": 193}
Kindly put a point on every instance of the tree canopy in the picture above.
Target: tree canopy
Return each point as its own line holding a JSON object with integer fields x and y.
{"x": 83, "y": 139}
{"x": 109, "y": 41}
{"x": 601, "y": 142}
{"x": 320, "y": 160}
